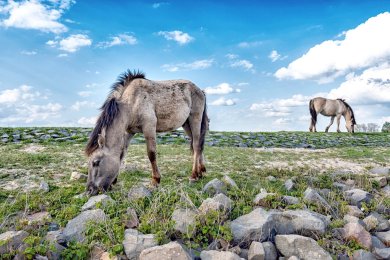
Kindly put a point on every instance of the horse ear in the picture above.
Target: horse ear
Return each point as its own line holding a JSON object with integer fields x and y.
{"x": 102, "y": 138}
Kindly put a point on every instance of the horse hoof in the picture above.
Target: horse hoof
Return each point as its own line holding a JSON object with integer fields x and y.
{"x": 193, "y": 180}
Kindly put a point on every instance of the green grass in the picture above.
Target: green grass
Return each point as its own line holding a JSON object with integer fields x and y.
{"x": 248, "y": 167}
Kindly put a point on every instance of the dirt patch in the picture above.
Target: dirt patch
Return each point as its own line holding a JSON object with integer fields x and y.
{"x": 33, "y": 148}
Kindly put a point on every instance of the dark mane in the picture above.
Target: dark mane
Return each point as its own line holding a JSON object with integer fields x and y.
{"x": 350, "y": 109}
{"x": 110, "y": 108}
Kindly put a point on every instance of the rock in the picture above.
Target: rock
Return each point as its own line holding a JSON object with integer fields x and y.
{"x": 350, "y": 183}
{"x": 289, "y": 185}
{"x": 262, "y": 199}
{"x": 53, "y": 226}
{"x": 44, "y": 186}
{"x": 255, "y": 226}
{"x": 380, "y": 170}
{"x": 218, "y": 255}
{"x": 172, "y": 250}
{"x": 356, "y": 232}
{"x": 357, "y": 196}
{"x": 312, "y": 196}
{"x": 184, "y": 220}
{"x": 300, "y": 246}
{"x": 215, "y": 186}
{"x": 135, "y": 242}
{"x": 229, "y": 182}
{"x": 363, "y": 255}
{"x": 106, "y": 256}
{"x": 376, "y": 243}
{"x": 38, "y": 219}
{"x": 131, "y": 218}
{"x": 78, "y": 176}
{"x": 139, "y": 192}
{"x": 377, "y": 222}
{"x": 304, "y": 222}
{"x": 382, "y": 253}
{"x": 220, "y": 202}
{"x": 55, "y": 237}
{"x": 384, "y": 237}
{"x": 54, "y": 251}
{"x": 340, "y": 186}
{"x": 382, "y": 181}
{"x": 271, "y": 178}
{"x": 290, "y": 200}
{"x": 256, "y": 251}
{"x": 355, "y": 211}
{"x": 270, "y": 251}
{"x": 75, "y": 228}
{"x": 94, "y": 200}
{"x": 11, "y": 240}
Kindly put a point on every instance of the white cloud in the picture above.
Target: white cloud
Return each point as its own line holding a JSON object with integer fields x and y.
{"x": 231, "y": 56}
{"x": 180, "y": 37}
{"x": 29, "y": 53}
{"x": 87, "y": 121}
{"x": 283, "y": 121}
{"x": 80, "y": 104}
{"x": 223, "y": 102}
{"x": 274, "y": 56}
{"x": 270, "y": 109}
{"x": 84, "y": 93}
{"x": 159, "y": 4}
{"x": 62, "y": 55}
{"x": 72, "y": 43}
{"x": 24, "y": 92}
{"x": 120, "y": 39}
{"x": 221, "y": 89}
{"x": 245, "y": 64}
{"x": 196, "y": 65}
{"x": 361, "y": 47}
{"x": 33, "y": 15}
{"x": 249, "y": 44}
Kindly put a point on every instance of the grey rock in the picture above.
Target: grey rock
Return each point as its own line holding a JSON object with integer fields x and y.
{"x": 312, "y": 196}
{"x": 76, "y": 227}
{"x": 341, "y": 186}
{"x": 357, "y": 196}
{"x": 55, "y": 237}
{"x": 54, "y": 251}
{"x": 376, "y": 222}
{"x": 184, "y": 220}
{"x": 380, "y": 170}
{"x": 382, "y": 253}
{"x": 290, "y": 200}
{"x": 220, "y": 202}
{"x": 11, "y": 240}
{"x": 384, "y": 237}
{"x": 363, "y": 255}
{"x": 5, "y": 136}
{"x": 229, "y": 182}
{"x": 131, "y": 218}
{"x": 271, "y": 178}
{"x": 44, "y": 186}
{"x": 256, "y": 251}
{"x": 218, "y": 255}
{"x": 94, "y": 200}
{"x": 376, "y": 243}
{"x": 78, "y": 176}
{"x": 215, "y": 186}
{"x": 38, "y": 219}
{"x": 270, "y": 252}
{"x": 139, "y": 193}
{"x": 135, "y": 242}
{"x": 356, "y": 232}
{"x": 262, "y": 199}
{"x": 289, "y": 184}
{"x": 300, "y": 246}
{"x": 381, "y": 180}
{"x": 172, "y": 250}
{"x": 355, "y": 211}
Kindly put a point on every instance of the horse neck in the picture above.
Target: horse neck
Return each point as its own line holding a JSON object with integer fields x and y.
{"x": 347, "y": 114}
{"x": 117, "y": 137}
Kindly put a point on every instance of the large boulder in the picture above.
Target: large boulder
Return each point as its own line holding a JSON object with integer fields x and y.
{"x": 76, "y": 227}
{"x": 135, "y": 242}
{"x": 357, "y": 233}
{"x": 304, "y": 248}
{"x": 219, "y": 255}
{"x": 11, "y": 240}
{"x": 172, "y": 250}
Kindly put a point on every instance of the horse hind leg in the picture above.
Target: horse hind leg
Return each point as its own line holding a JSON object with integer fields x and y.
{"x": 198, "y": 167}
{"x": 331, "y": 122}
{"x": 150, "y": 138}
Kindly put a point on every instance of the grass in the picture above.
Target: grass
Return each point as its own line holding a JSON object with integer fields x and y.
{"x": 249, "y": 167}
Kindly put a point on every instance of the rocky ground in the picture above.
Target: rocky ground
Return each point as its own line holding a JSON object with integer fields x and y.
{"x": 286, "y": 195}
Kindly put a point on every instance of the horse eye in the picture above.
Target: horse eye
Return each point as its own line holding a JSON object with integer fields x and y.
{"x": 95, "y": 163}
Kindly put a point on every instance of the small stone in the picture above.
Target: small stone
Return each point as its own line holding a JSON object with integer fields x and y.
{"x": 218, "y": 255}
{"x": 355, "y": 211}
{"x": 381, "y": 180}
{"x": 382, "y": 253}
{"x": 269, "y": 251}
{"x": 53, "y": 227}
{"x": 215, "y": 186}
{"x": 11, "y": 240}
{"x": 140, "y": 192}
{"x": 229, "y": 182}
{"x": 78, "y": 176}
{"x": 350, "y": 183}
{"x": 271, "y": 178}
{"x": 131, "y": 218}
{"x": 94, "y": 200}
{"x": 262, "y": 199}
{"x": 357, "y": 196}
{"x": 384, "y": 237}
{"x": 220, "y": 202}
{"x": 289, "y": 185}
{"x": 172, "y": 250}
{"x": 380, "y": 170}
{"x": 312, "y": 196}
{"x": 363, "y": 255}
{"x": 356, "y": 232}
{"x": 55, "y": 237}
{"x": 382, "y": 224}
{"x": 340, "y": 186}
{"x": 184, "y": 220}
{"x": 256, "y": 251}
{"x": 135, "y": 242}
{"x": 376, "y": 243}
{"x": 44, "y": 186}
{"x": 38, "y": 219}
{"x": 290, "y": 200}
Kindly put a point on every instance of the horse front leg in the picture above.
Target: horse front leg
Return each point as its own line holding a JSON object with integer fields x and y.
{"x": 338, "y": 123}
{"x": 150, "y": 138}
{"x": 331, "y": 123}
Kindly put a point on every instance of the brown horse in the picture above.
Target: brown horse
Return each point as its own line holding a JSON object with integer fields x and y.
{"x": 333, "y": 108}
{"x": 138, "y": 105}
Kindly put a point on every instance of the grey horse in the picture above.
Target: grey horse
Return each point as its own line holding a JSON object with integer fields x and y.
{"x": 138, "y": 105}
{"x": 333, "y": 108}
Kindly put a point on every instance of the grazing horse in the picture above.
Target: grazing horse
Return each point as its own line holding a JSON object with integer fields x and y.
{"x": 138, "y": 105}
{"x": 333, "y": 108}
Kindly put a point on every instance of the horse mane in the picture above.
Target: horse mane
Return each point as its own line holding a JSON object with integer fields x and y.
{"x": 350, "y": 109}
{"x": 110, "y": 107}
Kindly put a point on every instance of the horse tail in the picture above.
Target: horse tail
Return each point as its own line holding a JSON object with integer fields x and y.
{"x": 313, "y": 112}
{"x": 204, "y": 126}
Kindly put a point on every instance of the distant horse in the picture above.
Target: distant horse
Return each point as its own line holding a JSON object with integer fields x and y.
{"x": 138, "y": 105}
{"x": 333, "y": 108}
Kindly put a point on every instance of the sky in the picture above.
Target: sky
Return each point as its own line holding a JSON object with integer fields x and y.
{"x": 260, "y": 62}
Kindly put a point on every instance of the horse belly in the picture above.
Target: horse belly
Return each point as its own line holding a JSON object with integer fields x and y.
{"x": 173, "y": 118}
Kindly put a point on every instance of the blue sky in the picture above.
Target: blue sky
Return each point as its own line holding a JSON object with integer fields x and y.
{"x": 260, "y": 62}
